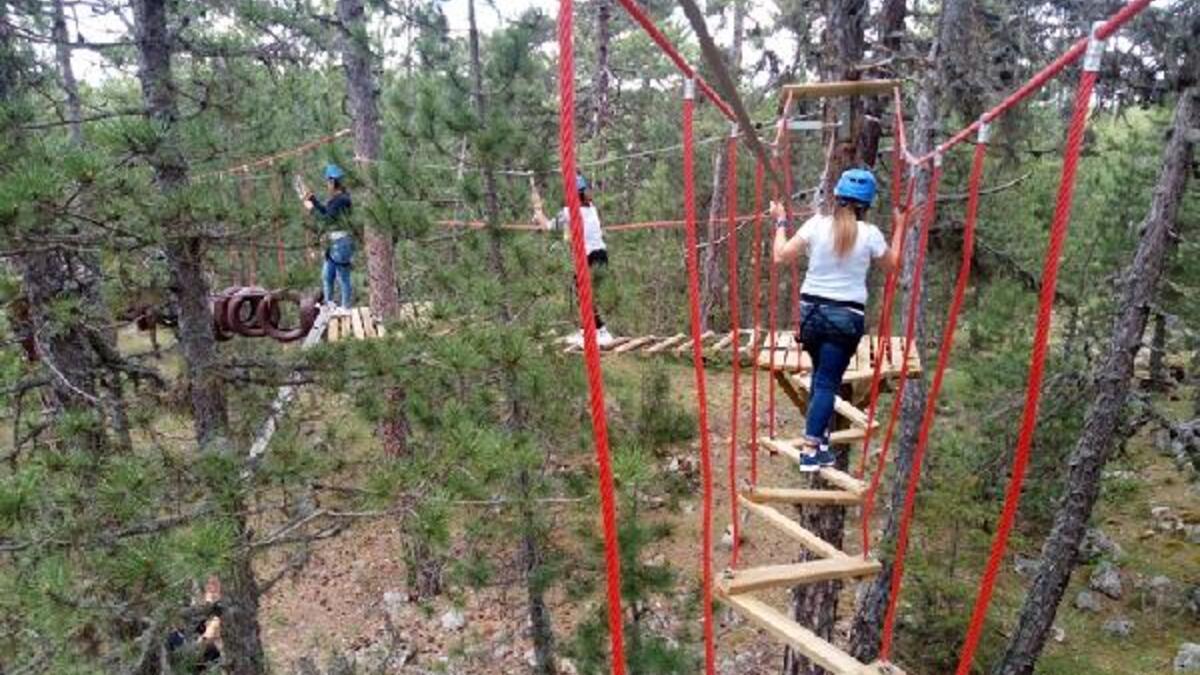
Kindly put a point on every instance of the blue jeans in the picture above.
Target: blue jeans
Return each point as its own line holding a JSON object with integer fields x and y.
{"x": 830, "y": 335}
{"x": 331, "y": 271}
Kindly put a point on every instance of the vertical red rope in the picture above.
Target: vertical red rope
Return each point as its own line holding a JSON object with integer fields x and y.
{"x": 583, "y": 282}
{"x": 1033, "y": 391}
{"x": 731, "y": 211}
{"x": 693, "y": 265}
{"x": 884, "y": 329}
{"x": 882, "y": 353}
{"x": 787, "y": 203}
{"x": 756, "y": 301}
{"x": 927, "y": 218}
{"x": 914, "y": 292}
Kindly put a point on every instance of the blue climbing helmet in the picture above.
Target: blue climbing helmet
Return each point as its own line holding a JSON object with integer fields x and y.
{"x": 581, "y": 183}
{"x": 334, "y": 172}
{"x": 856, "y": 185}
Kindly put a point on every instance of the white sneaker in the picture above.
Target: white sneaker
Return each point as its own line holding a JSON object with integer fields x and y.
{"x": 604, "y": 338}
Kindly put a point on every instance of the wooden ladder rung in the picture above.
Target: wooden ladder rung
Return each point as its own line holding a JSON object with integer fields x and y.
{"x": 615, "y": 344}
{"x": 766, "y": 495}
{"x": 840, "y": 88}
{"x": 666, "y": 344}
{"x": 686, "y": 346}
{"x": 795, "y": 530}
{"x": 843, "y": 480}
{"x": 803, "y": 640}
{"x": 795, "y": 574}
{"x": 634, "y": 344}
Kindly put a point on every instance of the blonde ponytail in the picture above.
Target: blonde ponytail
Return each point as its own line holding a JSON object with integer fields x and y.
{"x": 845, "y": 230}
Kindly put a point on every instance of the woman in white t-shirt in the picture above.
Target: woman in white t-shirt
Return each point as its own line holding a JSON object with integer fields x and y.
{"x": 593, "y": 245}
{"x": 833, "y": 299}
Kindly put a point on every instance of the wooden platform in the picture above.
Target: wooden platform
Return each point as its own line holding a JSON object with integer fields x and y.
{"x": 789, "y": 357}
{"x": 840, "y": 88}
{"x": 356, "y": 323}
{"x": 678, "y": 345}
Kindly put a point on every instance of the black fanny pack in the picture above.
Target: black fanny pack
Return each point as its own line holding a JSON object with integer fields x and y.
{"x": 818, "y": 300}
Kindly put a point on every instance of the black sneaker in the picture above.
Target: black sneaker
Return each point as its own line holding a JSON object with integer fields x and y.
{"x": 809, "y": 462}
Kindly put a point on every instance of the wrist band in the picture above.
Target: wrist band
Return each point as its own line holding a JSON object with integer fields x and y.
{"x": 781, "y": 222}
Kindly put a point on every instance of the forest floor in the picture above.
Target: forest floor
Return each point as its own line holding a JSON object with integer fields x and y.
{"x": 350, "y": 599}
{"x": 356, "y": 580}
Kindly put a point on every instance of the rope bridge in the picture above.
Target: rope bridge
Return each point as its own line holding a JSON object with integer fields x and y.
{"x": 787, "y": 370}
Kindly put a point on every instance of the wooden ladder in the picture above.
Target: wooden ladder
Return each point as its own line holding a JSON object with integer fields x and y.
{"x": 830, "y": 563}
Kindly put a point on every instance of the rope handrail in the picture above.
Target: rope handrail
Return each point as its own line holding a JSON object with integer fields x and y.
{"x": 583, "y": 283}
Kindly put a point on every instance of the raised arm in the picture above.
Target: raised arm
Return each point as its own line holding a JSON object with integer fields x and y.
{"x": 784, "y": 249}
{"x": 890, "y": 259}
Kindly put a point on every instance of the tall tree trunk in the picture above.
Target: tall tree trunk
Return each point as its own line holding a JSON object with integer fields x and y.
{"x": 1112, "y": 378}
{"x": 815, "y": 605}
{"x": 530, "y": 557}
{"x": 600, "y": 84}
{"x": 62, "y": 51}
{"x": 712, "y": 270}
{"x": 381, "y": 254}
{"x": 185, "y": 257}
{"x": 891, "y": 33}
{"x": 868, "y": 619}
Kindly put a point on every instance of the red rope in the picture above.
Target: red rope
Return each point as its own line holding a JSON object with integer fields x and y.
{"x": 693, "y": 266}
{"x": 731, "y": 206}
{"x": 647, "y": 24}
{"x": 914, "y": 292}
{"x": 900, "y": 217}
{"x": 1033, "y": 391}
{"x": 787, "y": 203}
{"x": 756, "y": 301}
{"x": 1077, "y": 50}
{"x": 583, "y": 282}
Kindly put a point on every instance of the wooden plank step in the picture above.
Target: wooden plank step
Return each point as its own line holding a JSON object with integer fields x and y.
{"x": 795, "y": 530}
{"x": 368, "y": 322}
{"x": 795, "y": 574}
{"x": 666, "y": 344}
{"x": 634, "y": 344}
{"x": 843, "y": 480}
{"x": 840, "y": 405}
{"x": 685, "y": 347}
{"x": 767, "y": 495}
{"x": 839, "y": 88}
{"x": 724, "y": 342}
{"x": 804, "y": 641}
{"x": 616, "y": 342}
{"x": 356, "y": 324}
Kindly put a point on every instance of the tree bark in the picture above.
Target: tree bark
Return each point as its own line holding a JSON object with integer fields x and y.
{"x": 1112, "y": 378}
{"x": 62, "y": 51}
{"x": 1158, "y": 352}
{"x": 185, "y": 256}
{"x": 363, "y": 94}
{"x": 867, "y": 626}
{"x": 603, "y": 76}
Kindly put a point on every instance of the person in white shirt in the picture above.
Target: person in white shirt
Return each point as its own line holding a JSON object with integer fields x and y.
{"x": 593, "y": 244}
{"x": 840, "y": 250}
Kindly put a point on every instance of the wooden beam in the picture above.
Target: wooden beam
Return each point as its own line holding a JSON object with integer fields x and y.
{"x": 840, "y": 405}
{"x": 793, "y": 529}
{"x": 797, "y": 637}
{"x": 356, "y": 324}
{"x": 836, "y": 89}
{"x": 634, "y": 344}
{"x": 795, "y": 574}
{"x": 666, "y": 344}
{"x": 368, "y": 322}
{"x": 617, "y": 342}
{"x": 686, "y": 346}
{"x": 843, "y": 480}
{"x": 723, "y": 343}
{"x": 766, "y": 495}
